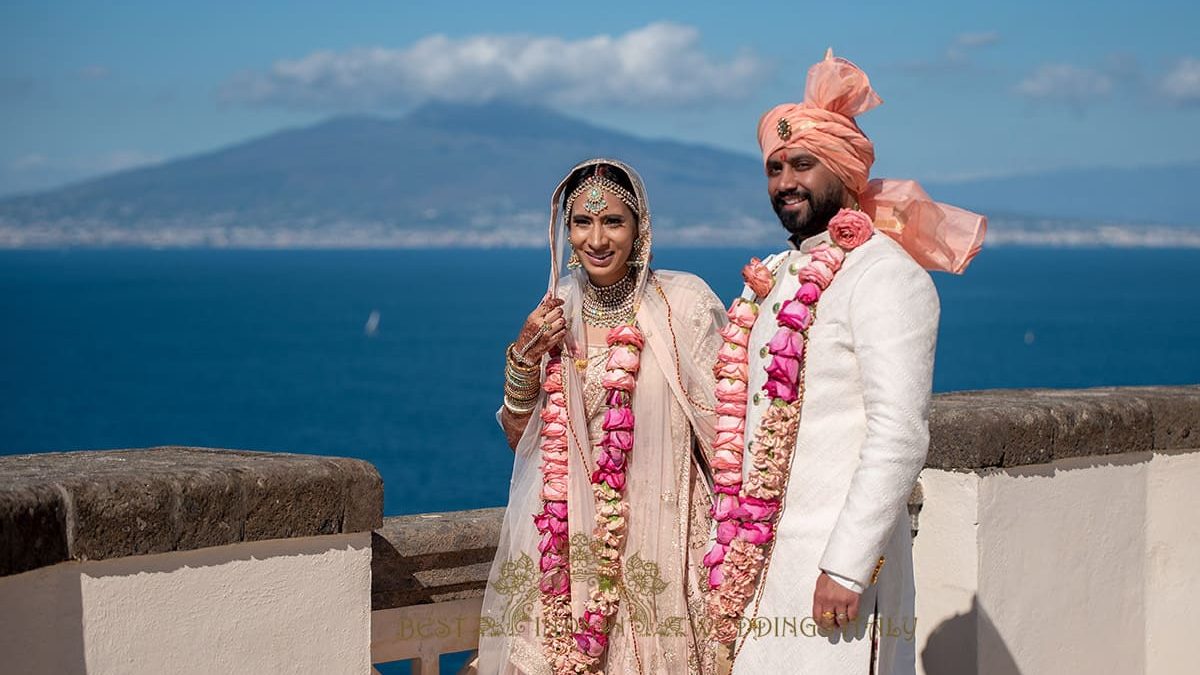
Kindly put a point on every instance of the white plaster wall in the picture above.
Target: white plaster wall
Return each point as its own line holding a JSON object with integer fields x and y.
{"x": 280, "y": 606}
{"x": 1173, "y": 563}
{"x": 1081, "y": 566}
{"x": 1062, "y": 560}
{"x": 946, "y": 572}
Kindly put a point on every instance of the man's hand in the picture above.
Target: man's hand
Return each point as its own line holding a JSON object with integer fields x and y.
{"x": 834, "y": 605}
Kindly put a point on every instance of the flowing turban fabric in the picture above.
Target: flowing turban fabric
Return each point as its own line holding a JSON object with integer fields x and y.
{"x": 938, "y": 236}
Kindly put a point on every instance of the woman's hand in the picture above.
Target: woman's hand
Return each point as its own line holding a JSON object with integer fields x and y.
{"x": 544, "y": 329}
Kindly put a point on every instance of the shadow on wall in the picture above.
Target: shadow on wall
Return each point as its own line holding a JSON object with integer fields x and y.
{"x": 967, "y": 644}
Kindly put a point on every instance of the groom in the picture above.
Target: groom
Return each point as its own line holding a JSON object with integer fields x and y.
{"x": 837, "y": 595}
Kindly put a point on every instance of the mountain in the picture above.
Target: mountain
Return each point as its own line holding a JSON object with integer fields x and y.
{"x": 1159, "y": 194}
{"x": 449, "y": 174}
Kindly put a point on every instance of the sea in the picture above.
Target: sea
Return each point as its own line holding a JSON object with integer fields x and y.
{"x": 396, "y": 357}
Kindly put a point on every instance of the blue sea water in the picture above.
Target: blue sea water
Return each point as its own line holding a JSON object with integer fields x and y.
{"x": 267, "y": 350}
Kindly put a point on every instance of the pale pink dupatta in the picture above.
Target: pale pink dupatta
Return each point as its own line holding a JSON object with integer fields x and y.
{"x": 938, "y": 236}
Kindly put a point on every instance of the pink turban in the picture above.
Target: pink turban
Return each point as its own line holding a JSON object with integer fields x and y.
{"x": 938, "y": 236}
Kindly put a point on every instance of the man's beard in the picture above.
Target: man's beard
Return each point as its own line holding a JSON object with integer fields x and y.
{"x": 821, "y": 208}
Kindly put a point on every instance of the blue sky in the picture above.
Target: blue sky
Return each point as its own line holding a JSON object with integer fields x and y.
{"x": 970, "y": 89}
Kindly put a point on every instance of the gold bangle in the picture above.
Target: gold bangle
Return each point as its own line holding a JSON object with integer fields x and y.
{"x": 517, "y": 360}
{"x": 516, "y": 408}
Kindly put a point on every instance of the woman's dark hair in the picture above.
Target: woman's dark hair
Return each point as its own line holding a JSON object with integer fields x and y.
{"x": 613, "y": 173}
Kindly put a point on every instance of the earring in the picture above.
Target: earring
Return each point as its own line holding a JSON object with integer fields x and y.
{"x": 635, "y": 256}
{"x": 573, "y": 262}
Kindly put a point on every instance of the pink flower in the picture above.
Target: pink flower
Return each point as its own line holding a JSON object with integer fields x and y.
{"x": 794, "y": 315}
{"x": 755, "y": 533}
{"x": 553, "y": 444}
{"x": 728, "y": 488}
{"x": 831, "y": 256}
{"x": 625, "y": 335}
{"x": 553, "y": 382}
{"x": 786, "y": 342}
{"x": 548, "y": 523}
{"x": 618, "y": 379}
{"x": 715, "y": 577}
{"x": 618, "y": 419}
{"x": 550, "y": 560}
{"x": 623, "y": 359}
{"x": 809, "y": 293}
{"x": 592, "y": 644}
{"x": 732, "y": 371}
{"x": 727, "y": 458}
{"x": 850, "y": 228}
{"x": 615, "y": 479}
{"x": 735, "y": 334}
{"x": 715, "y": 556}
{"x": 724, "y": 507}
{"x": 728, "y": 423}
{"x": 818, "y": 273}
{"x": 552, "y": 542}
{"x": 555, "y": 582}
{"x": 783, "y": 368}
{"x": 611, "y": 460}
{"x": 785, "y": 391}
{"x": 594, "y": 621}
{"x": 729, "y": 440}
{"x": 759, "y": 509}
{"x": 731, "y": 353}
{"x": 743, "y": 313}
{"x": 557, "y": 400}
{"x": 556, "y": 509}
{"x": 554, "y": 430}
{"x": 732, "y": 391}
{"x": 728, "y": 477}
{"x": 616, "y": 398}
{"x": 758, "y": 277}
{"x": 554, "y": 489}
{"x": 620, "y": 440}
{"x": 737, "y": 409}
{"x": 726, "y": 531}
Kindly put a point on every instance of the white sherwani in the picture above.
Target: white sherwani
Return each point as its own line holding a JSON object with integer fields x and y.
{"x": 862, "y": 441}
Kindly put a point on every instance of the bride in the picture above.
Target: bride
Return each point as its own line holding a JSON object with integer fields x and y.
{"x": 607, "y": 407}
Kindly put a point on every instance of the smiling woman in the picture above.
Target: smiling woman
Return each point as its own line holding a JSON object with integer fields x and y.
{"x": 610, "y": 413}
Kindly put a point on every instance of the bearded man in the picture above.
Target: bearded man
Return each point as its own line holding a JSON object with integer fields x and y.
{"x": 812, "y": 569}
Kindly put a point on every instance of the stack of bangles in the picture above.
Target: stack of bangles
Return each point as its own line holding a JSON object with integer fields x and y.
{"x": 522, "y": 380}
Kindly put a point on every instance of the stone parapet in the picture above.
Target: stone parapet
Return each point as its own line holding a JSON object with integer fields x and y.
{"x": 96, "y": 505}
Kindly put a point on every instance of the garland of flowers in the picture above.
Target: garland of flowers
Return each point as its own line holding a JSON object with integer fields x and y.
{"x": 746, "y": 512}
{"x": 570, "y": 646}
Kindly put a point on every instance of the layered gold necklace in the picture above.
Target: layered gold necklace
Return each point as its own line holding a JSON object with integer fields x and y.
{"x": 609, "y": 306}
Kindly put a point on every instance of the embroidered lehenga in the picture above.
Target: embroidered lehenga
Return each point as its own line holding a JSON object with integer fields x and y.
{"x": 659, "y": 621}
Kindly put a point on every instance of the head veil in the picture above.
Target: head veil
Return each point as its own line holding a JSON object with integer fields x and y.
{"x": 676, "y": 363}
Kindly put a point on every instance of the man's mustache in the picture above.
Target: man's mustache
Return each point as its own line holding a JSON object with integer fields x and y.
{"x": 777, "y": 200}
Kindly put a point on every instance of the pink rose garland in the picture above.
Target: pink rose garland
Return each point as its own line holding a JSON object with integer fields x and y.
{"x": 570, "y": 646}
{"x": 746, "y": 512}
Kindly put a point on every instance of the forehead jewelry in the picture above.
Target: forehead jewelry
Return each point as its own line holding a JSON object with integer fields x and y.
{"x": 595, "y": 201}
{"x": 595, "y": 187}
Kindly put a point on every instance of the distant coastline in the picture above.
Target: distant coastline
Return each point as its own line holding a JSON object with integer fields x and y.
{"x": 524, "y": 233}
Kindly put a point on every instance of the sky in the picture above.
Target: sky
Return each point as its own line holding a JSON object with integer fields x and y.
{"x": 970, "y": 89}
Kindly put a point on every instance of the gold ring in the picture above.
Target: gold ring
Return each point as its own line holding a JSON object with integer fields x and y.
{"x": 827, "y": 615}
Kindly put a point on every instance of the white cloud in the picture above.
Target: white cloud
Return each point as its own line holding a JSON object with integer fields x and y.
{"x": 956, "y": 57}
{"x": 1182, "y": 84}
{"x": 964, "y": 43}
{"x": 661, "y": 64}
{"x": 1065, "y": 83}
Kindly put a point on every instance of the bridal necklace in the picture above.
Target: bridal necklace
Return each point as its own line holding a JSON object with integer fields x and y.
{"x": 609, "y": 306}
